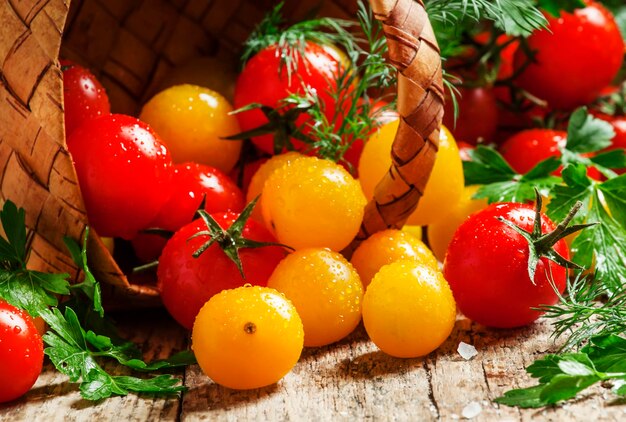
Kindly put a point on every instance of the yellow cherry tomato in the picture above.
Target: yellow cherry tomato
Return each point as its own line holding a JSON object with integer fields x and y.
{"x": 415, "y": 231}
{"x": 191, "y": 122}
{"x": 445, "y": 185}
{"x": 440, "y": 233}
{"x": 326, "y": 291}
{"x": 313, "y": 203}
{"x": 247, "y": 337}
{"x": 408, "y": 309}
{"x": 260, "y": 177}
{"x": 376, "y": 157}
{"x": 386, "y": 247}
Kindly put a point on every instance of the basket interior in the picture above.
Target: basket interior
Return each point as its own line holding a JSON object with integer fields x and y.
{"x": 132, "y": 46}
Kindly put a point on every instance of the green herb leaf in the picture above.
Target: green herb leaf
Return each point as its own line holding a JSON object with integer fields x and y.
{"x": 523, "y": 397}
{"x": 563, "y": 376}
{"x": 486, "y": 166}
{"x": 578, "y": 187}
{"x": 614, "y": 159}
{"x": 90, "y": 287}
{"x": 32, "y": 290}
{"x": 586, "y": 133}
{"x": 26, "y": 289}
{"x": 608, "y": 353}
{"x": 70, "y": 352}
{"x": 604, "y": 245}
{"x": 614, "y": 193}
{"x": 515, "y": 17}
{"x": 13, "y": 248}
{"x": 501, "y": 182}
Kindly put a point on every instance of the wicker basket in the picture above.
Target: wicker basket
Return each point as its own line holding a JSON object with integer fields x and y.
{"x": 131, "y": 45}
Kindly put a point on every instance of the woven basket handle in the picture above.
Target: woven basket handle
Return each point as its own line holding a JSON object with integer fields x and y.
{"x": 413, "y": 50}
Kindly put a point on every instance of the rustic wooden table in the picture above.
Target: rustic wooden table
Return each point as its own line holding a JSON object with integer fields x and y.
{"x": 350, "y": 380}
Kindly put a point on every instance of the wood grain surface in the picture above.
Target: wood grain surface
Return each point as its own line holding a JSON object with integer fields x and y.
{"x": 350, "y": 380}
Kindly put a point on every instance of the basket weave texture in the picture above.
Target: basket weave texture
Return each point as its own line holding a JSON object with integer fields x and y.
{"x": 131, "y": 45}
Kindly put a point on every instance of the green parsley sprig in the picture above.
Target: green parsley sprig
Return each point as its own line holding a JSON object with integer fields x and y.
{"x": 21, "y": 287}
{"x": 75, "y": 350}
{"x": 563, "y": 376}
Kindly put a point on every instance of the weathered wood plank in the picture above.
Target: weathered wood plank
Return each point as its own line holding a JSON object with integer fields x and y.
{"x": 353, "y": 380}
{"x": 54, "y": 398}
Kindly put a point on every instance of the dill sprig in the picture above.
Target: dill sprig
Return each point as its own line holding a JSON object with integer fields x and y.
{"x": 587, "y": 309}
{"x": 355, "y": 115}
{"x": 514, "y": 17}
{"x": 291, "y": 41}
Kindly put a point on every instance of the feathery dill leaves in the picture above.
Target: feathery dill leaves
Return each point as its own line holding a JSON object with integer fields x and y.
{"x": 356, "y": 113}
{"x": 587, "y": 309}
{"x": 290, "y": 41}
{"x": 514, "y": 17}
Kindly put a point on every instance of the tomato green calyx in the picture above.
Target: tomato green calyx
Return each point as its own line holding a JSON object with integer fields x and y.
{"x": 230, "y": 240}
{"x": 542, "y": 245}
{"x": 281, "y": 123}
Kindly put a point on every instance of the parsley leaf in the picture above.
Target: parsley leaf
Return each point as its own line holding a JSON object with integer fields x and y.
{"x": 486, "y": 166}
{"x": 26, "y": 289}
{"x": 74, "y": 352}
{"x": 604, "y": 244}
{"x": 577, "y": 187}
{"x": 614, "y": 193}
{"x": 90, "y": 287}
{"x": 600, "y": 245}
{"x": 614, "y": 159}
{"x": 586, "y": 133}
{"x": 563, "y": 376}
{"x": 13, "y": 248}
{"x": 501, "y": 182}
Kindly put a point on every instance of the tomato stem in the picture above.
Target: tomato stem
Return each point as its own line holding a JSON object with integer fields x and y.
{"x": 230, "y": 240}
{"x": 542, "y": 245}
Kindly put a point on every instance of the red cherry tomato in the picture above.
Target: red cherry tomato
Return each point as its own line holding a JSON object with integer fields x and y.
{"x": 83, "y": 96}
{"x": 191, "y": 183}
{"x": 487, "y": 267}
{"x": 21, "y": 352}
{"x": 186, "y": 283}
{"x": 477, "y": 118}
{"x": 576, "y": 56}
{"x": 124, "y": 173}
{"x": 265, "y": 80}
{"x": 526, "y": 149}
